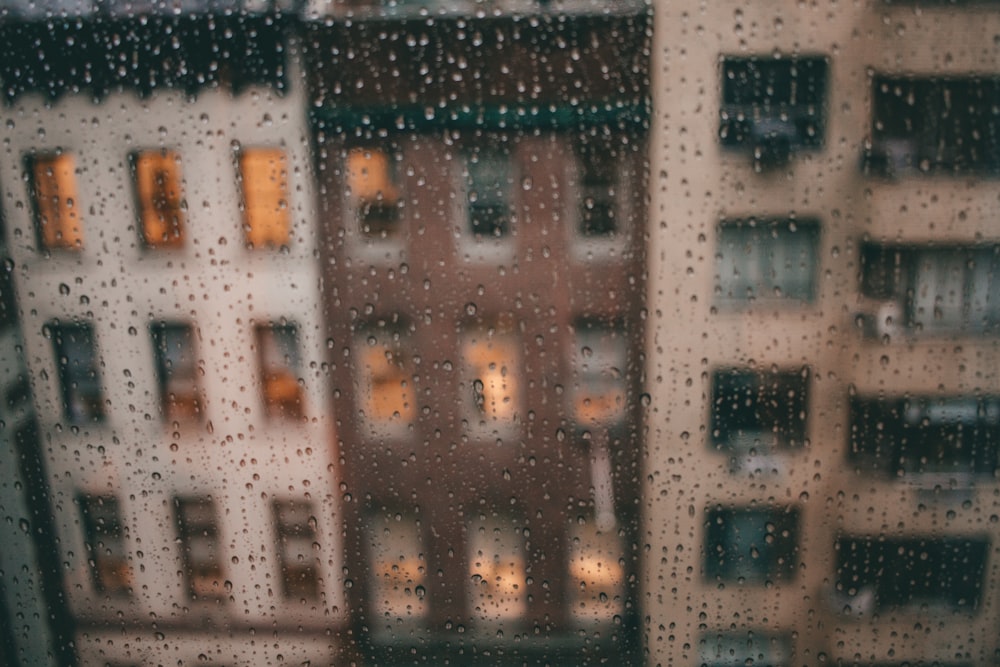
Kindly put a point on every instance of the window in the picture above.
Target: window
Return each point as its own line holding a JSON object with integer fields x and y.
{"x": 57, "y": 204}
{"x": 599, "y": 359}
{"x": 161, "y": 206}
{"x": 79, "y": 377}
{"x": 398, "y": 570}
{"x": 387, "y": 397}
{"x": 198, "y": 533}
{"x": 373, "y": 191}
{"x": 596, "y": 582}
{"x": 753, "y": 546}
{"x": 488, "y": 184}
{"x": 729, "y": 649}
{"x": 264, "y": 183}
{"x": 921, "y": 435}
{"x": 105, "y": 542}
{"x": 497, "y": 576}
{"x": 881, "y": 573}
{"x": 280, "y": 368}
{"x": 773, "y": 105}
{"x": 935, "y": 125}
{"x": 758, "y": 411}
{"x": 297, "y": 549}
{"x": 937, "y": 289}
{"x": 493, "y": 383}
{"x": 177, "y": 370}
{"x": 597, "y": 166}
{"x": 8, "y": 301}
{"x": 767, "y": 260}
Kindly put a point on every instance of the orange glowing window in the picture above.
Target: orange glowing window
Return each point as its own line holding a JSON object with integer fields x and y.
{"x": 56, "y": 202}
{"x": 264, "y": 180}
{"x": 158, "y": 187}
{"x": 387, "y": 394}
{"x": 279, "y": 360}
{"x": 491, "y": 363}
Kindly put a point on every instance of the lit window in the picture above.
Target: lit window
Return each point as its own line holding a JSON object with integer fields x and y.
{"x": 105, "y": 542}
{"x": 177, "y": 370}
{"x": 79, "y": 377}
{"x": 731, "y": 649}
{"x": 198, "y": 534}
{"x": 398, "y": 570}
{"x": 750, "y": 545}
{"x": 598, "y": 174}
{"x": 491, "y": 362}
{"x": 488, "y": 183}
{"x": 767, "y": 259}
{"x": 264, "y": 182}
{"x": 773, "y": 105}
{"x": 933, "y": 290}
{"x": 758, "y": 411}
{"x": 57, "y": 205}
{"x": 596, "y": 583}
{"x": 944, "y": 435}
{"x": 935, "y": 125}
{"x": 278, "y": 345}
{"x": 497, "y": 591}
{"x": 158, "y": 188}
{"x": 599, "y": 360}
{"x": 386, "y": 396}
{"x": 887, "y": 572}
{"x": 374, "y": 191}
{"x": 298, "y": 551}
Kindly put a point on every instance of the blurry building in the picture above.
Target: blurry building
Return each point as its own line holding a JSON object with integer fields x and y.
{"x": 823, "y": 360}
{"x": 158, "y": 204}
{"x": 482, "y": 211}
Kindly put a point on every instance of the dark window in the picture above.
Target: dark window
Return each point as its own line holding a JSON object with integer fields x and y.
{"x": 909, "y": 572}
{"x": 759, "y": 410}
{"x": 177, "y": 370}
{"x": 935, "y": 125}
{"x": 773, "y": 105}
{"x": 278, "y": 346}
{"x": 79, "y": 377}
{"x": 198, "y": 533}
{"x": 105, "y": 541}
{"x": 767, "y": 259}
{"x": 931, "y": 289}
{"x": 488, "y": 183}
{"x": 599, "y": 362}
{"x": 751, "y": 545}
{"x": 598, "y": 173}
{"x": 8, "y": 301}
{"x": 955, "y": 434}
{"x": 296, "y": 528}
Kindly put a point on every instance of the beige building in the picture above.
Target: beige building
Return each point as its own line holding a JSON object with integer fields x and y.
{"x": 820, "y": 481}
{"x": 164, "y": 253}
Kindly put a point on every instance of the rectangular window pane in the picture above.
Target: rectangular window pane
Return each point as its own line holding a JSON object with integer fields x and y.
{"x": 492, "y": 368}
{"x": 596, "y": 582}
{"x": 880, "y": 573}
{"x": 497, "y": 587}
{"x": 278, "y": 345}
{"x": 177, "y": 370}
{"x": 79, "y": 376}
{"x": 757, "y": 410}
{"x": 488, "y": 183}
{"x": 398, "y": 570}
{"x": 158, "y": 190}
{"x": 384, "y": 371}
{"x": 198, "y": 532}
{"x": 600, "y": 365}
{"x": 57, "y": 203}
{"x": 767, "y": 259}
{"x": 264, "y": 184}
{"x": 297, "y": 549}
{"x": 105, "y": 541}
{"x": 597, "y": 165}
{"x": 752, "y": 546}
{"x": 373, "y": 190}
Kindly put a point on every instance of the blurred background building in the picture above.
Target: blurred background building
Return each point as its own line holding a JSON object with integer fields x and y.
{"x": 500, "y": 333}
